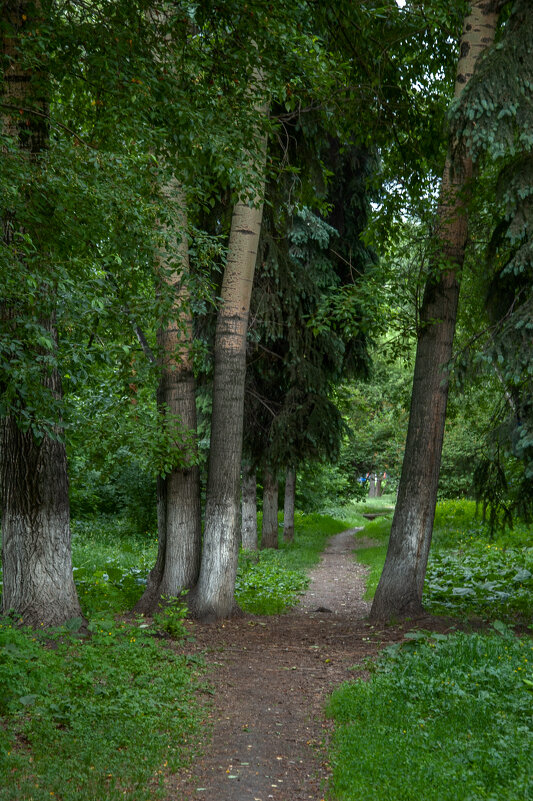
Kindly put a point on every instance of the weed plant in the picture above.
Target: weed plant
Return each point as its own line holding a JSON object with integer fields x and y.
{"x": 110, "y": 568}
{"x": 446, "y": 718}
{"x": 86, "y": 718}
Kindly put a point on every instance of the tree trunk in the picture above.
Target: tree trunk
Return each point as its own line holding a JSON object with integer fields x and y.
{"x": 36, "y": 545}
{"x": 178, "y": 493}
{"x": 213, "y": 596}
{"x": 36, "y": 553}
{"x": 400, "y": 588}
{"x": 249, "y": 509}
{"x": 288, "y": 507}
{"x": 269, "y": 531}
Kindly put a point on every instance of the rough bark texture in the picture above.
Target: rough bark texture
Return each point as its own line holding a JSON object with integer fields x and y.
{"x": 178, "y": 493}
{"x": 36, "y": 557}
{"x": 213, "y": 597}
{"x": 400, "y": 588}
{"x": 269, "y": 531}
{"x": 249, "y": 510}
{"x": 288, "y": 506}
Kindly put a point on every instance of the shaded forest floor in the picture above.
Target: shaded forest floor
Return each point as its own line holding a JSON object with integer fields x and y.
{"x": 271, "y": 678}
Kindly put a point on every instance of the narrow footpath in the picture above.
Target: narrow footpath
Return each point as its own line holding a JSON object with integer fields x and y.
{"x": 272, "y": 677}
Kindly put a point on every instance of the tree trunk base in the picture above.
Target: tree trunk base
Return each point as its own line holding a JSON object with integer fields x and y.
{"x": 206, "y": 614}
{"x": 385, "y": 612}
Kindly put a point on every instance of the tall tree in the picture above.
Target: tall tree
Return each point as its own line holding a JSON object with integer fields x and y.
{"x": 308, "y": 325}
{"x": 178, "y": 490}
{"x": 213, "y": 596}
{"x": 495, "y": 120}
{"x": 400, "y": 588}
{"x": 36, "y": 557}
{"x": 289, "y": 504}
{"x": 249, "y": 509}
{"x": 269, "y": 529}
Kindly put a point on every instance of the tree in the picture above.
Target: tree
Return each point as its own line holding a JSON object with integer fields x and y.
{"x": 309, "y": 327}
{"x": 213, "y": 596}
{"x": 78, "y": 251}
{"x": 400, "y": 588}
{"x": 249, "y": 509}
{"x": 269, "y": 531}
{"x": 495, "y": 120}
{"x": 37, "y": 565}
{"x": 178, "y": 491}
{"x": 289, "y": 504}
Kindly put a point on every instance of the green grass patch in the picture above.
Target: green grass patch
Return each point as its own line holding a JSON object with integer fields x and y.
{"x": 99, "y": 717}
{"x": 270, "y": 581}
{"x": 374, "y": 556}
{"x": 446, "y": 718}
{"x": 469, "y": 572}
{"x": 353, "y": 511}
{"x": 374, "y": 559}
{"x": 482, "y": 578}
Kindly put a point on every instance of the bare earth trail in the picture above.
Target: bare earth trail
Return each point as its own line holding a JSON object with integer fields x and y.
{"x": 272, "y": 677}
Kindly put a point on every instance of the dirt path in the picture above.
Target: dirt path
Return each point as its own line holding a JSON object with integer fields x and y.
{"x": 272, "y": 677}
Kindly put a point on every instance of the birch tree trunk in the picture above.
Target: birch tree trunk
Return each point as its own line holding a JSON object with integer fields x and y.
{"x": 400, "y": 588}
{"x": 249, "y": 509}
{"x": 269, "y": 531}
{"x": 213, "y": 596}
{"x": 289, "y": 504}
{"x": 36, "y": 546}
{"x": 178, "y": 493}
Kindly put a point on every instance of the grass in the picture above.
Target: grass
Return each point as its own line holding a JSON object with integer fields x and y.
{"x": 88, "y": 718}
{"x": 469, "y": 573}
{"x": 106, "y": 715}
{"x": 446, "y": 718}
{"x": 354, "y": 510}
{"x": 110, "y": 569}
{"x": 374, "y": 556}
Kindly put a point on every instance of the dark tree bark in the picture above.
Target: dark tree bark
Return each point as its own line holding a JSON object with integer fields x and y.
{"x": 400, "y": 588}
{"x": 36, "y": 543}
{"x": 36, "y": 553}
{"x": 249, "y": 509}
{"x": 289, "y": 504}
{"x": 178, "y": 493}
{"x": 269, "y": 531}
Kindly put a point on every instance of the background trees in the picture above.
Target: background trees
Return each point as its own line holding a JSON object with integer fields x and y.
{"x": 99, "y": 255}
